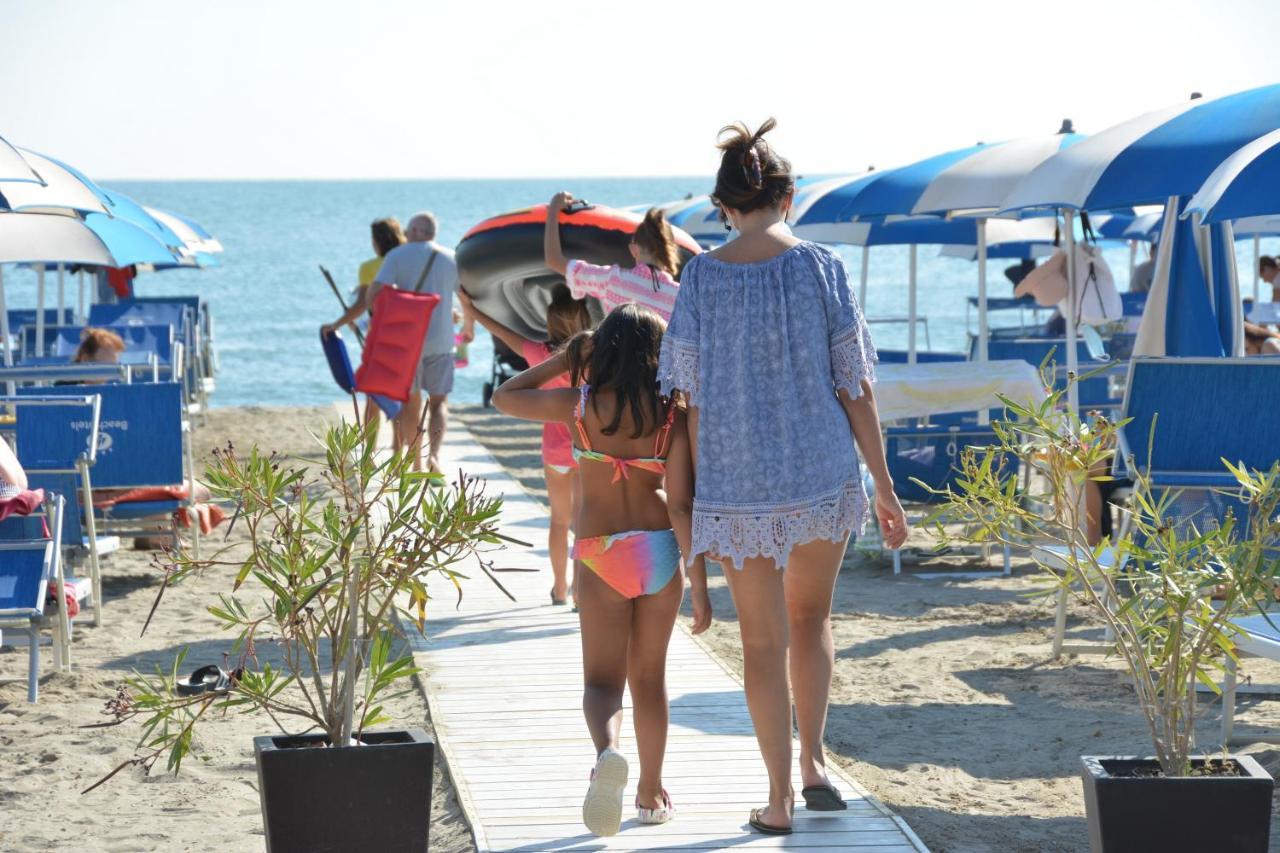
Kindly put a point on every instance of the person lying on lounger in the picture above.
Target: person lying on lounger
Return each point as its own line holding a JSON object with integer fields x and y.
{"x": 99, "y": 346}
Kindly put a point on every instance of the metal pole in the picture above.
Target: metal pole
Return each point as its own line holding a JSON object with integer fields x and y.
{"x": 4, "y": 326}
{"x": 1257, "y": 271}
{"x": 862, "y": 282}
{"x": 62, "y": 295}
{"x": 984, "y": 333}
{"x": 911, "y": 307}
{"x": 1073, "y": 366}
{"x": 1133, "y": 260}
{"x": 80, "y": 318}
{"x": 39, "y": 309}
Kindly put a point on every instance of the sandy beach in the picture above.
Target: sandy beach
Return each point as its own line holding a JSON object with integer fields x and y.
{"x": 51, "y": 751}
{"x": 946, "y": 703}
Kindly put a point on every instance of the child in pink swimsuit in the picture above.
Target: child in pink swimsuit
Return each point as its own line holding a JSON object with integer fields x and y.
{"x": 629, "y": 574}
{"x": 566, "y": 317}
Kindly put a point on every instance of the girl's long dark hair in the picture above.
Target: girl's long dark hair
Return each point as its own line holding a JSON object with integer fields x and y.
{"x": 566, "y": 316}
{"x": 621, "y": 356}
{"x": 654, "y": 236}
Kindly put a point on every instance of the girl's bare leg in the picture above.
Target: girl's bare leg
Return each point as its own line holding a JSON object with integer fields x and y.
{"x": 758, "y": 595}
{"x": 603, "y": 615}
{"x": 560, "y": 488}
{"x": 653, "y": 618}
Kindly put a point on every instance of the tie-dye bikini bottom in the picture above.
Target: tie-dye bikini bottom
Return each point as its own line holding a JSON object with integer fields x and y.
{"x": 635, "y": 563}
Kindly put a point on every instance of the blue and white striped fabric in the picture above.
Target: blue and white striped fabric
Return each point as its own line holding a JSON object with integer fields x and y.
{"x": 63, "y": 189}
{"x": 14, "y": 167}
{"x": 1148, "y": 159}
{"x": 99, "y": 240}
{"x": 969, "y": 181}
{"x": 1244, "y": 184}
{"x": 1193, "y": 308}
{"x": 978, "y": 184}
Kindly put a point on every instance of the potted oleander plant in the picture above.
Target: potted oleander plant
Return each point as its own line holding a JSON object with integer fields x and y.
{"x": 339, "y": 557}
{"x": 1168, "y": 589}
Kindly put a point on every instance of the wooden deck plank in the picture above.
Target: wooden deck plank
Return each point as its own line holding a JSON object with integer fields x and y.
{"x": 504, "y": 682}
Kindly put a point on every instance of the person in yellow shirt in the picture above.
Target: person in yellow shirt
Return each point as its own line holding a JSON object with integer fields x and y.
{"x": 386, "y": 234}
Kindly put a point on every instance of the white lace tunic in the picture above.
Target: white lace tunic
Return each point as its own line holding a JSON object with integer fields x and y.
{"x": 760, "y": 350}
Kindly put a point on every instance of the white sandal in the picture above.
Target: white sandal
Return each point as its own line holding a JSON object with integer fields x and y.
{"x": 661, "y": 814}
{"x": 602, "y": 809}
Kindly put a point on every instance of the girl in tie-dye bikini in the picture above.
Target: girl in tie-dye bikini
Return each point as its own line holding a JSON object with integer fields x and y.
{"x": 627, "y": 438}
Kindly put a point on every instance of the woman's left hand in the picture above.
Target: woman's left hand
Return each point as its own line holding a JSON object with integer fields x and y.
{"x": 893, "y": 521}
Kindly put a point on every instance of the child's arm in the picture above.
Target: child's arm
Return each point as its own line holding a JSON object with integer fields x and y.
{"x": 551, "y": 235}
{"x": 510, "y": 337}
{"x": 522, "y": 396}
{"x": 679, "y": 484}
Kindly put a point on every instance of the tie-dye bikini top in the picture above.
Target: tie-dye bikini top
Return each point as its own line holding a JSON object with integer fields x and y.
{"x": 657, "y": 463}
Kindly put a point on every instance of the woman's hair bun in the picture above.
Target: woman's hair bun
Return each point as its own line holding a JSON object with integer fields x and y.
{"x": 752, "y": 175}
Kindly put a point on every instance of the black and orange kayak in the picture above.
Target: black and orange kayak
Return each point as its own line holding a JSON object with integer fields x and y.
{"x": 502, "y": 267}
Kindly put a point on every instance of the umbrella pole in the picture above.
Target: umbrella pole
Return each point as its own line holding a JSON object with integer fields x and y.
{"x": 984, "y": 334}
{"x": 80, "y": 296}
{"x": 862, "y": 282}
{"x": 1257, "y": 271}
{"x": 1133, "y": 260}
{"x": 1073, "y": 366}
{"x": 9, "y": 387}
{"x": 62, "y": 295}
{"x": 911, "y": 307}
{"x": 39, "y": 309}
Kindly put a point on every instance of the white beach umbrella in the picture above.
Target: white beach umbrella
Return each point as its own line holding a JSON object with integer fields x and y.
{"x": 62, "y": 189}
{"x": 14, "y": 167}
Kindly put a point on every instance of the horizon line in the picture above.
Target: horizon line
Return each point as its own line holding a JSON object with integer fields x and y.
{"x": 294, "y": 179}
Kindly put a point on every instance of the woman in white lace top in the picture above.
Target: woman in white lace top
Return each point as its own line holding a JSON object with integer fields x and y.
{"x": 769, "y": 347}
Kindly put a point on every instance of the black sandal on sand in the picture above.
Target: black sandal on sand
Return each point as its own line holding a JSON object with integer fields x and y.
{"x": 766, "y": 828}
{"x": 823, "y": 798}
{"x": 205, "y": 679}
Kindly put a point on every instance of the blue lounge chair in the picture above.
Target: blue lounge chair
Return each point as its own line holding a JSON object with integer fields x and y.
{"x": 1095, "y": 392}
{"x": 901, "y": 356}
{"x": 28, "y": 565}
{"x": 66, "y": 473}
{"x": 179, "y": 312}
{"x": 931, "y": 455}
{"x": 142, "y": 442}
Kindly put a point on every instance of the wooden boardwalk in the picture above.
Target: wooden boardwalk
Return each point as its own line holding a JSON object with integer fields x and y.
{"x": 504, "y": 684}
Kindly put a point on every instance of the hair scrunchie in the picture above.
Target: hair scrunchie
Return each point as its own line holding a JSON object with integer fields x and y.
{"x": 751, "y": 168}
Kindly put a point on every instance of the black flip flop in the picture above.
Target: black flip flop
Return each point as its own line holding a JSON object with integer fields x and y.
{"x": 823, "y": 798}
{"x": 203, "y": 680}
{"x": 766, "y": 828}
{"x": 558, "y": 601}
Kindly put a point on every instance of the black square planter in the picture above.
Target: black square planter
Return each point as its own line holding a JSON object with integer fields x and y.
{"x": 1194, "y": 813}
{"x": 316, "y": 799}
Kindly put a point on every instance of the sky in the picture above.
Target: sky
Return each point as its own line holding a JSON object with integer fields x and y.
{"x": 278, "y": 89}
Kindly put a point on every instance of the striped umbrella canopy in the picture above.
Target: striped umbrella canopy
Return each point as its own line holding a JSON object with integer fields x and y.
{"x": 1148, "y": 159}
{"x": 977, "y": 184}
{"x": 59, "y": 238}
{"x": 1243, "y": 185}
{"x": 62, "y": 189}
{"x": 1194, "y": 304}
{"x": 14, "y": 167}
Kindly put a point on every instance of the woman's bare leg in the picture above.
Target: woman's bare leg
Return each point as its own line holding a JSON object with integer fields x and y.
{"x": 603, "y": 615}
{"x": 560, "y": 496}
{"x": 653, "y": 618}
{"x": 758, "y": 595}
{"x": 809, "y": 585}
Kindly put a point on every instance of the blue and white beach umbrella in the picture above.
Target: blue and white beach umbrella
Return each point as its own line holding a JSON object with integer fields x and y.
{"x": 62, "y": 189}
{"x": 1148, "y": 159}
{"x": 1193, "y": 308}
{"x": 1244, "y": 184}
{"x": 14, "y": 167}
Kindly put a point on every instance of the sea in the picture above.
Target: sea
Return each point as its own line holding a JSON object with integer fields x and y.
{"x": 269, "y": 299}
